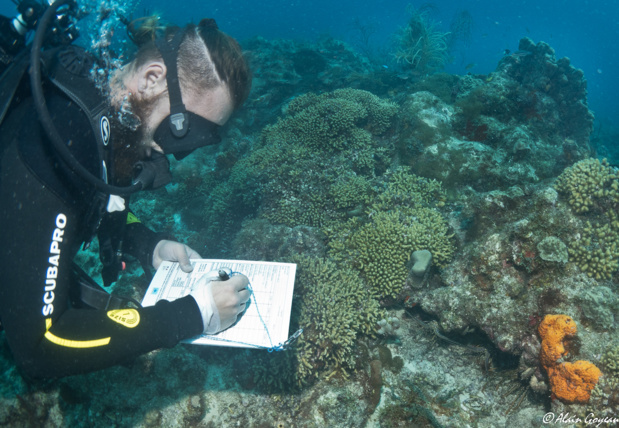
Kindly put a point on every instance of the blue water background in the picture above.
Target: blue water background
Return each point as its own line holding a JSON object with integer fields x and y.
{"x": 585, "y": 31}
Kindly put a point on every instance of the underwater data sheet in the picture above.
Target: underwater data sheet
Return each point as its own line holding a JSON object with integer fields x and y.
{"x": 266, "y": 320}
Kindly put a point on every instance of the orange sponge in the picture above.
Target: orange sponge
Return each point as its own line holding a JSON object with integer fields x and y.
{"x": 573, "y": 382}
{"x": 570, "y": 382}
{"x": 553, "y": 330}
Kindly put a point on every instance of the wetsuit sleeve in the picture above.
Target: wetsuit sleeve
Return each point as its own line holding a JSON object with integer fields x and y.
{"x": 47, "y": 335}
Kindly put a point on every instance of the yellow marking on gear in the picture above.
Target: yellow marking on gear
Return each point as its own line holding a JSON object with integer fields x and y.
{"x": 128, "y": 317}
{"x": 72, "y": 343}
{"x": 131, "y": 218}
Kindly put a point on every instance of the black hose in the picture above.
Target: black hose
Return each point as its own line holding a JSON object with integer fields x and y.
{"x": 45, "y": 118}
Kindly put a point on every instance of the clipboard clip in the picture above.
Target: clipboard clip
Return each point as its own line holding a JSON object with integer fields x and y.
{"x": 288, "y": 342}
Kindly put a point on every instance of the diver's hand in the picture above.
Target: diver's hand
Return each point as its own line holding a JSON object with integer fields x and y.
{"x": 173, "y": 251}
{"x": 220, "y": 302}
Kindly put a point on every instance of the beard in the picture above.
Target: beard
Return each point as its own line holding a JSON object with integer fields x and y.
{"x": 131, "y": 137}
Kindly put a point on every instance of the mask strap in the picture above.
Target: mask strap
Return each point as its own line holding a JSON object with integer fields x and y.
{"x": 179, "y": 119}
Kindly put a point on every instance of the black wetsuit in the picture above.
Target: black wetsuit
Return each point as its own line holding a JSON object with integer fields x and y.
{"x": 46, "y": 214}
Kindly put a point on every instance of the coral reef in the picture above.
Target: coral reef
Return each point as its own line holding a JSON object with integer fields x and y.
{"x": 549, "y": 89}
{"x": 597, "y": 251}
{"x": 339, "y": 121}
{"x": 296, "y": 170}
{"x": 349, "y": 183}
{"x": 381, "y": 249}
{"x": 604, "y": 401}
{"x": 521, "y": 124}
{"x": 336, "y": 309}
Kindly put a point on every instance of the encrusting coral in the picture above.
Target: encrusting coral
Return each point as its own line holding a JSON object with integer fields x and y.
{"x": 570, "y": 382}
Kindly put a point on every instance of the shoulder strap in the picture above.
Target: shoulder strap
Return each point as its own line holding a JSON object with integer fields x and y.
{"x": 10, "y": 81}
{"x": 68, "y": 69}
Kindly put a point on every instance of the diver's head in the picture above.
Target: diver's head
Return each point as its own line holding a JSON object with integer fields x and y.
{"x": 212, "y": 72}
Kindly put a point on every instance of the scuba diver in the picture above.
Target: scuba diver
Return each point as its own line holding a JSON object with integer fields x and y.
{"x": 71, "y": 156}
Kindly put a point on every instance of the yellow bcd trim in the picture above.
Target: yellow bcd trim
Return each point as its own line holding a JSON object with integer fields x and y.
{"x": 131, "y": 218}
{"x": 73, "y": 343}
{"x": 127, "y": 317}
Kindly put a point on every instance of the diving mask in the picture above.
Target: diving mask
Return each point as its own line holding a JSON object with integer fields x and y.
{"x": 182, "y": 131}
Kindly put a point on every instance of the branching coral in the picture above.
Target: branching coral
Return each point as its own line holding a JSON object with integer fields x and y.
{"x": 313, "y": 167}
{"x": 404, "y": 189}
{"x": 604, "y": 402}
{"x": 315, "y": 163}
{"x": 399, "y": 222}
{"x": 592, "y": 187}
{"x": 336, "y": 308}
{"x": 380, "y": 250}
{"x": 336, "y": 120}
{"x": 610, "y": 361}
{"x": 352, "y": 193}
{"x": 589, "y": 184}
{"x": 597, "y": 251}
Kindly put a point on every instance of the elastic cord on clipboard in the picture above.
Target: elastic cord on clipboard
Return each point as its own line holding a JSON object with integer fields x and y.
{"x": 279, "y": 347}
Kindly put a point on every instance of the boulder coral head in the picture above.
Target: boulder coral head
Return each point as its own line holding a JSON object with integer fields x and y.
{"x": 570, "y": 382}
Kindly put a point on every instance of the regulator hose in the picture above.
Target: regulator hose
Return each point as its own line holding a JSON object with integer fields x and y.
{"x": 45, "y": 118}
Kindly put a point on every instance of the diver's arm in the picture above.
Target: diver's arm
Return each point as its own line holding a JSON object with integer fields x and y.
{"x": 139, "y": 241}
{"x": 152, "y": 248}
{"x": 47, "y": 336}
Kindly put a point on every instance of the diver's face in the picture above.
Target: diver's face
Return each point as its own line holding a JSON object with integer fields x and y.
{"x": 148, "y": 99}
{"x": 214, "y": 104}
{"x": 143, "y": 109}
